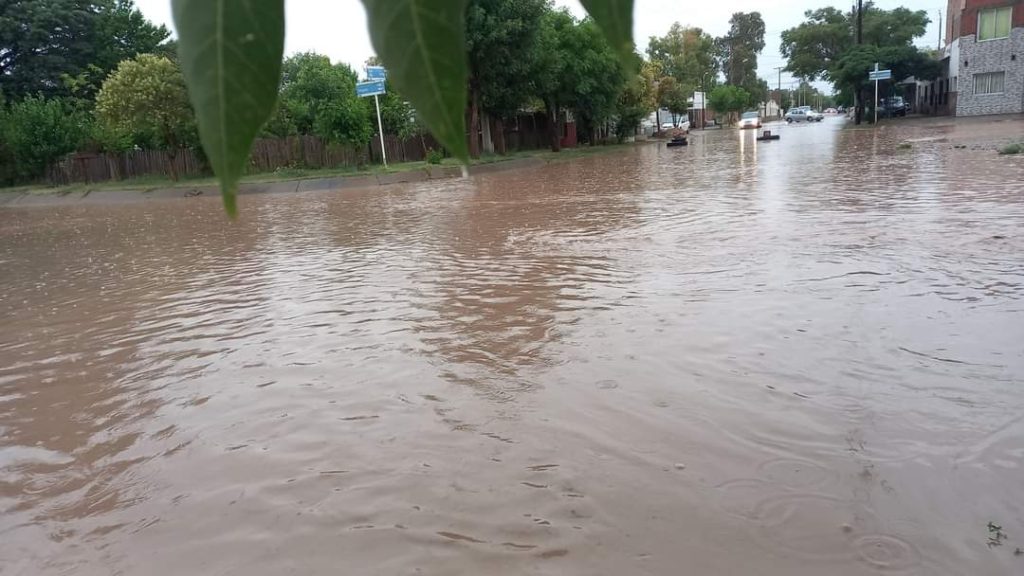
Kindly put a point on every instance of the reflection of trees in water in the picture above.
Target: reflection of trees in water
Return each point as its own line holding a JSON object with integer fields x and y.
{"x": 517, "y": 263}
{"x": 96, "y": 318}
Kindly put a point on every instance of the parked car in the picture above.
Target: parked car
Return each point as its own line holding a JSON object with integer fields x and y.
{"x": 750, "y": 119}
{"x": 812, "y": 114}
{"x": 831, "y": 111}
{"x": 894, "y": 106}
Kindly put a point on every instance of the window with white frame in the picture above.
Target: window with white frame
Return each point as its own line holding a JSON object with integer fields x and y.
{"x": 994, "y": 23}
{"x": 989, "y": 83}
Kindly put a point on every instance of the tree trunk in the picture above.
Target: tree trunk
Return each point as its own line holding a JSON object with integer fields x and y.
{"x": 485, "y": 129}
{"x": 498, "y": 131}
{"x": 172, "y": 169}
{"x": 554, "y": 128}
{"x": 474, "y": 121}
{"x": 172, "y": 153}
{"x": 858, "y": 110}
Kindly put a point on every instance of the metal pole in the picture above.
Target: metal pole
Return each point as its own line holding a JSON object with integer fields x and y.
{"x": 703, "y": 101}
{"x": 380, "y": 131}
{"x": 876, "y": 94}
{"x": 779, "y": 68}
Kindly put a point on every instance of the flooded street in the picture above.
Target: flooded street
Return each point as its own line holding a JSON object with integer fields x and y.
{"x": 802, "y": 357}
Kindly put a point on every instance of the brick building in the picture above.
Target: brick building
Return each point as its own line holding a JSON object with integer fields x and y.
{"x": 985, "y": 54}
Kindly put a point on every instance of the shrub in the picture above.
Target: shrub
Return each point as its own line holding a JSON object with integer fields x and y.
{"x": 36, "y": 132}
{"x": 434, "y": 156}
{"x": 1012, "y": 149}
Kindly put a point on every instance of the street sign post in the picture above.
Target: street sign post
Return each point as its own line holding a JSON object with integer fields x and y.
{"x": 375, "y": 87}
{"x": 877, "y": 75}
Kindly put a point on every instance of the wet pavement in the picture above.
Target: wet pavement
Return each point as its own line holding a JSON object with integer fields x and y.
{"x": 801, "y": 357}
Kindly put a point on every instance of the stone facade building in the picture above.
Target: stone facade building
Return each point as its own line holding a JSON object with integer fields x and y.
{"x": 985, "y": 55}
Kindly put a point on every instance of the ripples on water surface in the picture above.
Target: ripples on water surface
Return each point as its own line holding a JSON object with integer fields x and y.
{"x": 802, "y": 357}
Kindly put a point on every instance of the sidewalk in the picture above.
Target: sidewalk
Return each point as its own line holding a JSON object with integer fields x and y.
{"x": 15, "y": 199}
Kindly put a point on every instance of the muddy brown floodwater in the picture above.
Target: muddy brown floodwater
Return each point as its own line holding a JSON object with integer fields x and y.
{"x": 796, "y": 358}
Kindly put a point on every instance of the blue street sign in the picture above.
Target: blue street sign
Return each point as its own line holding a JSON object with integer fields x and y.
{"x": 371, "y": 88}
{"x": 376, "y": 73}
{"x": 879, "y": 74}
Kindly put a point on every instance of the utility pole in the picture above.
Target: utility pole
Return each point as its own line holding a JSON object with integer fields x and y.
{"x": 860, "y": 22}
{"x": 939, "y": 45}
{"x": 779, "y": 69}
{"x": 859, "y": 105}
{"x": 704, "y": 101}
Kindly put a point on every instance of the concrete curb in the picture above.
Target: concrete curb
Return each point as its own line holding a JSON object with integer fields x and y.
{"x": 25, "y": 199}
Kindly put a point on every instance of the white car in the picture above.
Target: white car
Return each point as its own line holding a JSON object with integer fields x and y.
{"x": 812, "y": 114}
{"x": 750, "y": 120}
{"x": 683, "y": 125}
{"x": 803, "y": 114}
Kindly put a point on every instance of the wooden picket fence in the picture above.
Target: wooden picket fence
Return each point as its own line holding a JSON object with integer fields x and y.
{"x": 270, "y": 154}
{"x": 267, "y": 155}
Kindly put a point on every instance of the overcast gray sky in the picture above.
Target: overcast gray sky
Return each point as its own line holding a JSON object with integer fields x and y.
{"x": 337, "y": 28}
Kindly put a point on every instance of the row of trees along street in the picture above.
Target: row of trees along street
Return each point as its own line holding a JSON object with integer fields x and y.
{"x": 96, "y": 76}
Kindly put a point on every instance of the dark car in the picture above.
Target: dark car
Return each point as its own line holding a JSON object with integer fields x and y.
{"x": 891, "y": 107}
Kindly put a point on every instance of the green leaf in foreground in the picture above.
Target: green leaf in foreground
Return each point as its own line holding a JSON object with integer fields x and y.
{"x": 422, "y": 44}
{"x": 615, "y": 19}
{"x": 230, "y": 52}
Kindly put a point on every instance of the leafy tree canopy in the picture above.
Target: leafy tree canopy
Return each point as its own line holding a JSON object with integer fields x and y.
{"x": 686, "y": 54}
{"x": 145, "y": 97}
{"x": 814, "y": 48}
{"x": 43, "y": 41}
{"x": 729, "y": 98}
{"x": 577, "y": 69}
{"x": 739, "y": 48}
{"x": 320, "y": 98}
{"x": 501, "y": 41}
{"x": 34, "y": 133}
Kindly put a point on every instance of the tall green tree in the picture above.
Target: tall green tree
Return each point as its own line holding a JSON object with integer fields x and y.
{"x": 813, "y": 48}
{"x": 674, "y": 97}
{"x": 730, "y": 99}
{"x": 320, "y": 98}
{"x": 739, "y": 48}
{"x": 43, "y": 40}
{"x": 637, "y": 99}
{"x": 597, "y": 78}
{"x": 146, "y": 98}
{"x": 686, "y": 54}
{"x": 34, "y": 133}
{"x": 123, "y": 32}
{"x": 577, "y": 71}
{"x": 501, "y": 42}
